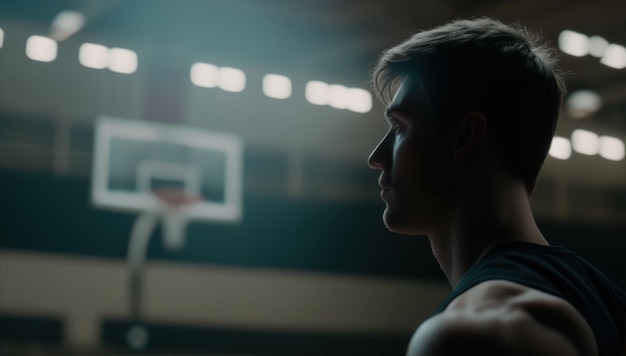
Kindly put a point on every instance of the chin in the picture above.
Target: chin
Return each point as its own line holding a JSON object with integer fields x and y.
{"x": 396, "y": 222}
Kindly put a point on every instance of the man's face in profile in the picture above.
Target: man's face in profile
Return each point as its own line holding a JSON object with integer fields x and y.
{"x": 414, "y": 160}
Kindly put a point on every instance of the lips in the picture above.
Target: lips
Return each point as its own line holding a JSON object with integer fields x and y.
{"x": 383, "y": 183}
{"x": 385, "y": 186}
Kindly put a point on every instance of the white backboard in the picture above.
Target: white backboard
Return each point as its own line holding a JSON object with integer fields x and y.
{"x": 132, "y": 158}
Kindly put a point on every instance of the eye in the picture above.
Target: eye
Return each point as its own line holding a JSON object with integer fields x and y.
{"x": 397, "y": 127}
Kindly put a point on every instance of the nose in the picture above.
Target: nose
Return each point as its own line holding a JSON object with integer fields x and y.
{"x": 378, "y": 159}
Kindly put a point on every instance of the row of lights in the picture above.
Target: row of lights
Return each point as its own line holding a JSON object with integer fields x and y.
{"x": 205, "y": 75}
{"x": 91, "y": 55}
{"x": 579, "y": 45}
{"x": 338, "y": 96}
{"x": 119, "y": 60}
{"x": 582, "y": 103}
{"x": 278, "y": 86}
{"x": 587, "y": 143}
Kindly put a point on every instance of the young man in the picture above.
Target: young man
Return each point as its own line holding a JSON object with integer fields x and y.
{"x": 472, "y": 108}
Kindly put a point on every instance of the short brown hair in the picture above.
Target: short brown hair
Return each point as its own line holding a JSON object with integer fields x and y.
{"x": 504, "y": 71}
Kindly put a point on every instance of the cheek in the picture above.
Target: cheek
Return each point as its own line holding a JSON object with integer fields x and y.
{"x": 420, "y": 168}
{"x": 408, "y": 175}
{"x": 409, "y": 157}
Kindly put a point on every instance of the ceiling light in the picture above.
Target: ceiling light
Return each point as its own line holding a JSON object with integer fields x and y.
{"x": 338, "y": 96}
{"x": 1, "y": 37}
{"x": 65, "y": 24}
{"x": 560, "y": 148}
{"x": 611, "y": 148}
{"x": 232, "y": 79}
{"x": 42, "y": 49}
{"x": 204, "y": 75}
{"x": 597, "y": 46}
{"x": 582, "y": 103}
{"x": 585, "y": 142}
{"x": 317, "y": 92}
{"x": 614, "y": 56}
{"x": 276, "y": 86}
{"x": 574, "y": 43}
{"x": 93, "y": 55}
{"x": 122, "y": 60}
{"x": 359, "y": 100}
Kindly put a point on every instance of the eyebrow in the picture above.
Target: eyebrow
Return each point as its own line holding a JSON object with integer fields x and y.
{"x": 391, "y": 110}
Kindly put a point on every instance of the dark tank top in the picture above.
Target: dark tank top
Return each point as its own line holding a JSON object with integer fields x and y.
{"x": 560, "y": 272}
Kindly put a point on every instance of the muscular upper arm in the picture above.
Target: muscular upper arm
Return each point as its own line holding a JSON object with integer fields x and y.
{"x": 511, "y": 334}
{"x": 505, "y": 319}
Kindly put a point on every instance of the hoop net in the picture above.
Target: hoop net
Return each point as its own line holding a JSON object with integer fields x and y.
{"x": 174, "y": 204}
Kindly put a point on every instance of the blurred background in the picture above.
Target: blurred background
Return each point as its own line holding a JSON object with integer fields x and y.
{"x": 309, "y": 268}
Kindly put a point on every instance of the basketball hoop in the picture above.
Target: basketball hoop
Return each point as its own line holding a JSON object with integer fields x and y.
{"x": 168, "y": 172}
{"x": 174, "y": 203}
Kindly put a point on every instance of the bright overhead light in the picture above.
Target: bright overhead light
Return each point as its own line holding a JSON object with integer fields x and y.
{"x": 96, "y": 56}
{"x": 42, "y": 49}
{"x": 1, "y": 37}
{"x": 597, "y": 46}
{"x": 93, "y": 55}
{"x": 207, "y": 75}
{"x": 582, "y": 103}
{"x": 614, "y": 56}
{"x": 359, "y": 100}
{"x": 338, "y": 96}
{"x": 65, "y": 24}
{"x": 585, "y": 142}
{"x": 232, "y": 79}
{"x": 204, "y": 75}
{"x": 317, "y": 92}
{"x": 560, "y": 148}
{"x": 276, "y": 86}
{"x": 611, "y": 148}
{"x": 122, "y": 60}
{"x": 574, "y": 43}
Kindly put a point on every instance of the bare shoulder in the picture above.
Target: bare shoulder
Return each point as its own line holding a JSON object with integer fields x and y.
{"x": 505, "y": 318}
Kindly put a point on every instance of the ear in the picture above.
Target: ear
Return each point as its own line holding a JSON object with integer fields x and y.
{"x": 473, "y": 129}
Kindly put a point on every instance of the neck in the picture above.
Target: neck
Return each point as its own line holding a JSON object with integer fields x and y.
{"x": 481, "y": 222}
